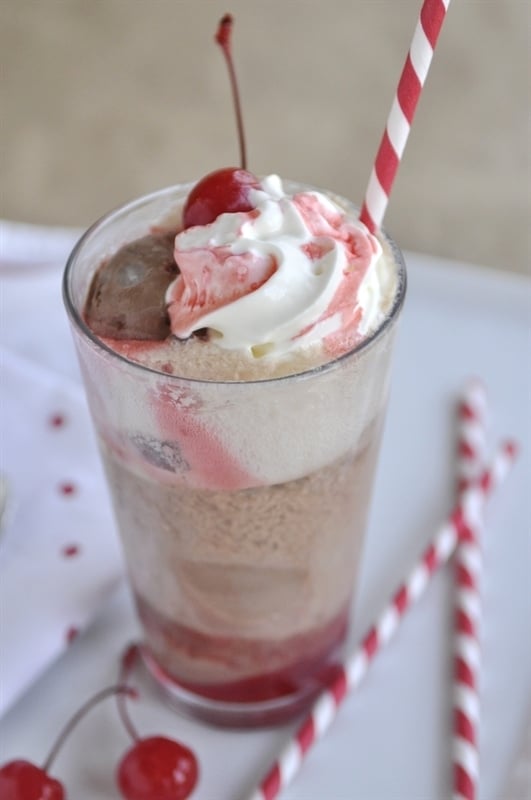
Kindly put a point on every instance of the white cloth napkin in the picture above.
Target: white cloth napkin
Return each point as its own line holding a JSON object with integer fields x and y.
{"x": 59, "y": 553}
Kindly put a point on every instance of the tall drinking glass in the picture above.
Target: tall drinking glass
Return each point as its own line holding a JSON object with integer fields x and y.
{"x": 241, "y": 505}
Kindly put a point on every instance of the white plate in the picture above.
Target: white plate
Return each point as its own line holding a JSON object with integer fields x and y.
{"x": 390, "y": 741}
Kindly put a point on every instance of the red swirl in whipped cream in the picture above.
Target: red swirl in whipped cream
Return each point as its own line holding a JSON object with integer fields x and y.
{"x": 294, "y": 271}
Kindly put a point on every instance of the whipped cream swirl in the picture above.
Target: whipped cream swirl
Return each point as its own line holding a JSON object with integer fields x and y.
{"x": 294, "y": 271}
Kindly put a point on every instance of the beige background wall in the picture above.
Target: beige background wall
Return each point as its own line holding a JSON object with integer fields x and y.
{"x": 106, "y": 99}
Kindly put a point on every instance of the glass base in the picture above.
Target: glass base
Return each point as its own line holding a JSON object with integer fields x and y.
{"x": 226, "y": 714}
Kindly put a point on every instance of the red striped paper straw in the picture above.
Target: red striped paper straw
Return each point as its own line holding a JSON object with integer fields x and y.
{"x": 351, "y": 673}
{"x": 471, "y": 450}
{"x": 472, "y": 418}
{"x": 392, "y": 145}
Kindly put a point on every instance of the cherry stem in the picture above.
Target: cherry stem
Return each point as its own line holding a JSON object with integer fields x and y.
{"x": 223, "y": 38}
{"x": 129, "y": 659}
{"x": 119, "y": 689}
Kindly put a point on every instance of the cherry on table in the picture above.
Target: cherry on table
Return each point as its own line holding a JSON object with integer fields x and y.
{"x": 155, "y": 767}
{"x": 159, "y": 768}
{"x": 21, "y": 780}
{"x": 223, "y": 191}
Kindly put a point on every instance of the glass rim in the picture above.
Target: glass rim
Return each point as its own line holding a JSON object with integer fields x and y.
{"x": 364, "y": 345}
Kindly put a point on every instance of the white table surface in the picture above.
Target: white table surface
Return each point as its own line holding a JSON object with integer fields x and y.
{"x": 390, "y": 741}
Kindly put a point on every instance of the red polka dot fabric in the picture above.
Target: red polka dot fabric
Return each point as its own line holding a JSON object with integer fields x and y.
{"x": 59, "y": 553}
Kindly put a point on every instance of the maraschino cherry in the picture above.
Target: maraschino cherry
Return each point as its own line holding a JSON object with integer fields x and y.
{"x": 228, "y": 189}
{"x": 22, "y": 780}
{"x": 154, "y": 768}
{"x": 157, "y": 768}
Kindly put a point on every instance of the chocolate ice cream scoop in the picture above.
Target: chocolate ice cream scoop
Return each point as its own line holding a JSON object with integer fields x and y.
{"x": 127, "y": 295}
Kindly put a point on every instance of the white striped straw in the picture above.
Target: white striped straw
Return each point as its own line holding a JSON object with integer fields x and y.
{"x": 471, "y": 454}
{"x": 351, "y": 673}
{"x": 392, "y": 145}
